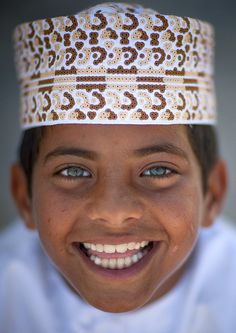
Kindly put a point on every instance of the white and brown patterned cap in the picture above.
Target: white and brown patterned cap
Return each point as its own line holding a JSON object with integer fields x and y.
{"x": 116, "y": 63}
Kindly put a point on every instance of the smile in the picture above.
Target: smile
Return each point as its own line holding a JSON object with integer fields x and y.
{"x": 116, "y": 257}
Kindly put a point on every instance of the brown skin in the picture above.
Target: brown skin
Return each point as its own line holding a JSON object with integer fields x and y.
{"x": 119, "y": 200}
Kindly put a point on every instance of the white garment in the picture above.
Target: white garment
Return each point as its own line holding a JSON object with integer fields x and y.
{"x": 35, "y": 299}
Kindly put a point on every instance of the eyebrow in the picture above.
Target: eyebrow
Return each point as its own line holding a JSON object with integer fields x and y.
{"x": 62, "y": 151}
{"x": 92, "y": 155}
{"x": 161, "y": 148}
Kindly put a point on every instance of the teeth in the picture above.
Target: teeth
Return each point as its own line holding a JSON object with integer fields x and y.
{"x": 135, "y": 258}
{"x": 109, "y": 248}
{"x": 99, "y": 247}
{"x": 128, "y": 261}
{"x": 118, "y": 263}
{"x": 112, "y": 263}
{"x": 139, "y": 255}
{"x": 93, "y": 247}
{"x": 120, "y": 248}
{"x": 105, "y": 263}
{"x": 98, "y": 261}
{"x": 131, "y": 246}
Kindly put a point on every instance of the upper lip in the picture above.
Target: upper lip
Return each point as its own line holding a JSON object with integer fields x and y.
{"x": 114, "y": 241}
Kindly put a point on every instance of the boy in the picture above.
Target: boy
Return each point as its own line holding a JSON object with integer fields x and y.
{"x": 118, "y": 179}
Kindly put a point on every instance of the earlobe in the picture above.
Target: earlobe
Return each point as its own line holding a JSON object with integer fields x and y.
{"x": 20, "y": 193}
{"x": 216, "y": 190}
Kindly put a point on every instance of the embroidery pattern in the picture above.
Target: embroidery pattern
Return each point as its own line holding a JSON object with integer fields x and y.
{"x": 115, "y": 63}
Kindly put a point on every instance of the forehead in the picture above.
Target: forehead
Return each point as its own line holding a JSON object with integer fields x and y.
{"x": 120, "y": 134}
{"x": 116, "y": 138}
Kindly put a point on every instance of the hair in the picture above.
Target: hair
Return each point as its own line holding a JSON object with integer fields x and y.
{"x": 203, "y": 140}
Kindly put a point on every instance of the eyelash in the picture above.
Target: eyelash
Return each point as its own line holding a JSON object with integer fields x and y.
{"x": 69, "y": 177}
{"x": 167, "y": 172}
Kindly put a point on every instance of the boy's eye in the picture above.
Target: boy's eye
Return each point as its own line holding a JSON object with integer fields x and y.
{"x": 74, "y": 172}
{"x": 157, "y": 172}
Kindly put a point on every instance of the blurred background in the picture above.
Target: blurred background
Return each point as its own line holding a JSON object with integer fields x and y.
{"x": 222, "y": 14}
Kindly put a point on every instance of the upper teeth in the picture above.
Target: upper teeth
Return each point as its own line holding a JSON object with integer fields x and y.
{"x": 120, "y": 248}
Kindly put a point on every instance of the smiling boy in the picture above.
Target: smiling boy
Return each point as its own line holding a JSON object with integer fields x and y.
{"x": 119, "y": 180}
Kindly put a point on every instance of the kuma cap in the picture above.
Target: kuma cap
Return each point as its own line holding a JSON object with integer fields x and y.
{"x": 115, "y": 63}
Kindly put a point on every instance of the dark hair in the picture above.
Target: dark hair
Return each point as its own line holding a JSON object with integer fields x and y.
{"x": 203, "y": 140}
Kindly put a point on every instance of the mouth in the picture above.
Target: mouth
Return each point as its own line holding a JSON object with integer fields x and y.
{"x": 119, "y": 257}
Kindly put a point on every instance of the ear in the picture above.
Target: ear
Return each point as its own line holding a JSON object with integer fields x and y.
{"x": 20, "y": 193}
{"x": 215, "y": 194}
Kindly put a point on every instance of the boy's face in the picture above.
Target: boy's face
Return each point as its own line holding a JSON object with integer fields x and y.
{"x": 113, "y": 185}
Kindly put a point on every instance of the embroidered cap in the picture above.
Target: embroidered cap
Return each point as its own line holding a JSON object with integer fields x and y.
{"x": 116, "y": 63}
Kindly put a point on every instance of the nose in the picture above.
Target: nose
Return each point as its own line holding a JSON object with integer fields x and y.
{"x": 115, "y": 204}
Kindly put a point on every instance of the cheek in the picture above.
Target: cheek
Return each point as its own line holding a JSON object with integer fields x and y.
{"x": 180, "y": 213}
{"x": 55, "y": 207}
{"x": 53, "y": 217}
{"x": 180, "y": 218}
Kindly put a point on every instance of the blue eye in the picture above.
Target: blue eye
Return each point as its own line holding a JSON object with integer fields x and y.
{"x": 75, "y": 172}
{"x": 157, "y": 172}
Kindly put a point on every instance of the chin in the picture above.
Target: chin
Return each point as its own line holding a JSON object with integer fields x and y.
{"x": 116, "y": 308}
{"x": 115, "y": 303}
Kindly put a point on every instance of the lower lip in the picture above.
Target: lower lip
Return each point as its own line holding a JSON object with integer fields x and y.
{"x": 117, "y": 274}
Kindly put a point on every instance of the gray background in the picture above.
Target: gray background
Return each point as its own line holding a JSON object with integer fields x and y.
{"x": 222, "y": 14}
